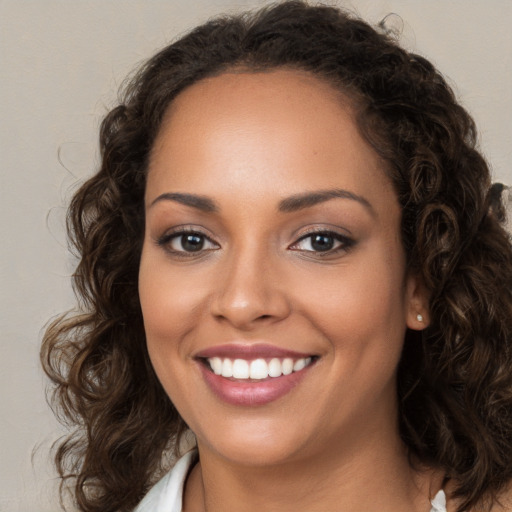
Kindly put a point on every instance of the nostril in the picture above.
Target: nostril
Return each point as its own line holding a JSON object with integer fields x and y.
{"x": 248, "y": 305}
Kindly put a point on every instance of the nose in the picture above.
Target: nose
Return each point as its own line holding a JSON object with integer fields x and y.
{"x": 250, "y": 292}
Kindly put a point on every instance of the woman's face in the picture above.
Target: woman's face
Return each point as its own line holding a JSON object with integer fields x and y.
{"x": 272, "y": 245}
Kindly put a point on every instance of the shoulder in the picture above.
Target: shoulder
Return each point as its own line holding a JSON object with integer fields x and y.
{"x": 167, "y": 494}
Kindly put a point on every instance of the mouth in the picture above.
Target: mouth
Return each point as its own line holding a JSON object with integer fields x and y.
{"x": 256, "y": 369}
{"x": 253, "y": 375}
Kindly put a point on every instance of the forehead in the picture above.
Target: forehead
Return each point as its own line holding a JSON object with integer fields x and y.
{"x": 289, "y": 128}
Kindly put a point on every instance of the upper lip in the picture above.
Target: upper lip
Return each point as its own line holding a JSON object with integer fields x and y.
{"x": 249, "y": 351}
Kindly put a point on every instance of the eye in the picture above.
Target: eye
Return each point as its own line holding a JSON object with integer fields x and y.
{"x": 322, "y": 242}
{"x": 187, "y": 242}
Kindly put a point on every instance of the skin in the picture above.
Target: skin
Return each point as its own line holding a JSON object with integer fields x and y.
{"x": 247, "y": 141}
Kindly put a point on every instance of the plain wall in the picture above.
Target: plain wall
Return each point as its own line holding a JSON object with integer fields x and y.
{"x": 60, "y": 65}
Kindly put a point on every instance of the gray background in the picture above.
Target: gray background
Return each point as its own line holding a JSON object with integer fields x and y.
{"x": 61, "y": 63}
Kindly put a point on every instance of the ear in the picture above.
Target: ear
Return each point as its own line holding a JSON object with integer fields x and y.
{"x": 417, "y": 300}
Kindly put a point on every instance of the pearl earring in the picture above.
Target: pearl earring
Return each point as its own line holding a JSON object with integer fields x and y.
{"x": 419, "y": 317}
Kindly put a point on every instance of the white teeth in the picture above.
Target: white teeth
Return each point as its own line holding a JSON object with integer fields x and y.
{"x": 216, "y": 364}
{"x": 287, "y": 366}
{"x": 274, "y": 368}
{"x": 258, "y": 368}
{"x": 227, "y": 368}
{"x": 240, "y": 369}
{"x": 299, "y": 365}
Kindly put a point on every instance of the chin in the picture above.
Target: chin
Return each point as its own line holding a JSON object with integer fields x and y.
{"x": 254, "y": 443}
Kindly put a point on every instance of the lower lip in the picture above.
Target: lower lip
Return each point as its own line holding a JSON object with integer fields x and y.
{"x": 258, "y": 392}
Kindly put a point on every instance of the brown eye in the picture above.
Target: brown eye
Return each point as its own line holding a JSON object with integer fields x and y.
{"x": 187, "y": 242}
{"x": 191, "y": 242}
{"x": 323, "y": 242}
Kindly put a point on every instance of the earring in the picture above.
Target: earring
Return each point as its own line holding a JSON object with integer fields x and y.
{"x": 419, "y": 317}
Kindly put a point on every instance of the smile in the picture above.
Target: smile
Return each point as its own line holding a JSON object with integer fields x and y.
{"x": 257, "y": 369}
{"x": 252, "y": 375}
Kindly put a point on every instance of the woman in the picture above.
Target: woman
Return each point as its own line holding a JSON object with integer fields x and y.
{"x": 292, "y": 251}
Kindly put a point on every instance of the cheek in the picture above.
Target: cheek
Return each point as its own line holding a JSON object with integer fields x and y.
{"x": 361, "y": 311}
{"x": 368, "y": 297}
{"x": 162, "y": 307}
{"x": 164, "y": 301}
{"x": 169, "y": 300}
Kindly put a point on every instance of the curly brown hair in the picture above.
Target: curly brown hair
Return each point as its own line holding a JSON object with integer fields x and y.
{"x": 454, "y": 378}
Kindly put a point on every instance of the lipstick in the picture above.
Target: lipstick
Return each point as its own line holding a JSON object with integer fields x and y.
{"x": 251, "y": 375}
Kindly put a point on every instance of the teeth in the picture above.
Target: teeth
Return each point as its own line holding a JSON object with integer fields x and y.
{"x": 240, "y": 369}
{"x": 216, "y": 364}
{"x": 258, "y": 368}
{"x": 227, "y": 368}
{"x": 274, "y": 368}
{"x": 299, "y": 365}
{"x": 287, "y": 366}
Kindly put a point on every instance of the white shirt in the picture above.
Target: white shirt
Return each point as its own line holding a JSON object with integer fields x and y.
{"x": 167, "y": 494}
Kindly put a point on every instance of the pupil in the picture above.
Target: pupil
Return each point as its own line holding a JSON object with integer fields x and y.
{"x": 192, "y": 242}
{"x": 322, "y": 242}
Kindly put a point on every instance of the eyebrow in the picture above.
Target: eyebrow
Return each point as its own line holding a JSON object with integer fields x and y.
{"x": 309, "y": 199}
{"x": 288, "y": 205}
{"x": 203, "y": 203}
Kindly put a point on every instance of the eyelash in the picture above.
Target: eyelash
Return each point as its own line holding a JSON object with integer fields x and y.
{"x": 165, "y": 241}
{"x": 345, "y": 242}
{"x": 168, "y": 238}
